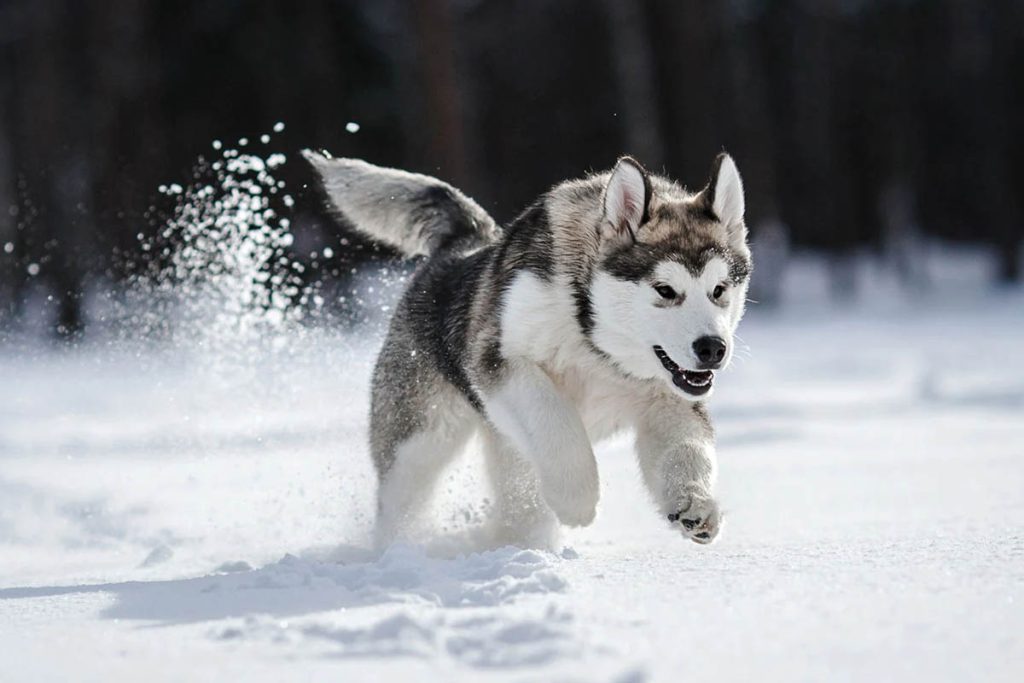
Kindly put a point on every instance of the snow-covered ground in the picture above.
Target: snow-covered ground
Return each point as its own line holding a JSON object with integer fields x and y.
{"x": 171, "y": 514}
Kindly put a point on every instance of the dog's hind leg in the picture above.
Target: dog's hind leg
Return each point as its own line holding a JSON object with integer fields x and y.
{"x": 526, "y": 408}
{"x": 414, "y": 465}
{"x": 520, "y": 516}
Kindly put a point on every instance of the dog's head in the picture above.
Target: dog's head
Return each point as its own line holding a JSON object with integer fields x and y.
{"x": 671, "y": 281}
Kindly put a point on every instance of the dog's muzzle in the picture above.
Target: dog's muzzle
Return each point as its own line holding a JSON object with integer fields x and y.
{"x": 693, "y": 382}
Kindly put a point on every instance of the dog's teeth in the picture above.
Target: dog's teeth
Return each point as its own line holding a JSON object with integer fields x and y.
{"x": 697, "y": 379}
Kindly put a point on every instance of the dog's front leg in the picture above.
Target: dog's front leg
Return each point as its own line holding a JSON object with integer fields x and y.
{"x": 675, "y": 446}
{"x": 544, "y": 428}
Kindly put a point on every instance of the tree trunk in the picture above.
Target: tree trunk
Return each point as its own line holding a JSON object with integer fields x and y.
{"x": 433, "y": 28}
{"x": 635, "y": 78}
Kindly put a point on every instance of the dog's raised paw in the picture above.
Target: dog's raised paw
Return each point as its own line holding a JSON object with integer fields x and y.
{"x": 698, "y": 517}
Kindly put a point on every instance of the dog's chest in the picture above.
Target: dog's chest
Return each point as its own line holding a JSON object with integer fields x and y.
{"x": 539, "y": 323}
{"x": 605, "y": 404}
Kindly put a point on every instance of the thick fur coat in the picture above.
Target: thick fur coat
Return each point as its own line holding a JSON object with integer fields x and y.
{"x": 606, "y": 305}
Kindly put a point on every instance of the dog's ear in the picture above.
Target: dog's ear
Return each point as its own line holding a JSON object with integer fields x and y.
{"x": 723, "y": 197}
{"x": 627, "y": 197}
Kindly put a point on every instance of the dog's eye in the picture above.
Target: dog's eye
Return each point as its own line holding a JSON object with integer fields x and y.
{"x": 665, "y": 291}
{"x": 718, "y": 292}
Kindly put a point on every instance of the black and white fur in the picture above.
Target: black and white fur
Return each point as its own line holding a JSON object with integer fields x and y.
{"x": 605, "y": 306}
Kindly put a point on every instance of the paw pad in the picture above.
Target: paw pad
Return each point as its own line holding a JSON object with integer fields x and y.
{"x": 687, "y": 523}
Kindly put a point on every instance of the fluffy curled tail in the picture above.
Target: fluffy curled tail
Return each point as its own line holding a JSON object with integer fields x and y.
{"x": 414, "y": 213}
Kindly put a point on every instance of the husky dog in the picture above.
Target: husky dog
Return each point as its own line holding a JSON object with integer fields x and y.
{"x": 606, "y": 305}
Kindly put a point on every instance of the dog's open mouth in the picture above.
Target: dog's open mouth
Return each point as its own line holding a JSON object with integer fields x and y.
{"x": 693, "y": 382}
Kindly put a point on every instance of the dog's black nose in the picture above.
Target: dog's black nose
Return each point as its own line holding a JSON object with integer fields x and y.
{"x": 710, "y": 351}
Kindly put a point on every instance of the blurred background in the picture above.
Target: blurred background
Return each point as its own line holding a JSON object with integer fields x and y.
{"x": 869, "y": 129}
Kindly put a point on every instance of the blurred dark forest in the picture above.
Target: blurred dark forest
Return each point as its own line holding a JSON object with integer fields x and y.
{"x": 857, "y": 124}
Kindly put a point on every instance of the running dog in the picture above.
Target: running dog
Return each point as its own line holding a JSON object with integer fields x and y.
{"x": 606, "y": 305}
